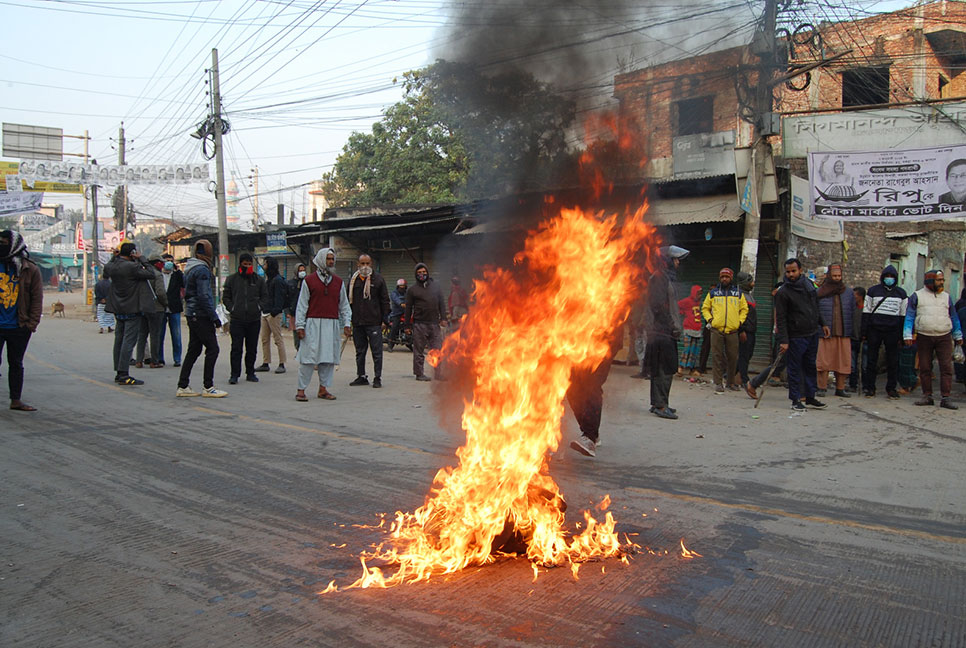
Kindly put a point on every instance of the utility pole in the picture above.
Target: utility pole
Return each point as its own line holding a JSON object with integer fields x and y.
{"x": 122, "y": 188}
{"x": 94, "y": 236}
{"x": 760, "y": 147}
{"x": 219, "y": 173}
{"x": 258, "y": 216}
{"x": 86, "y": 279}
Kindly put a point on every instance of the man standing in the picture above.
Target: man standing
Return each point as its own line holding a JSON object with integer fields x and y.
{"x": 244, "y": 295}
{"x": 294, "y": 288}
{"x": 425, "y": 312}
{"x": 369, "y": 299}
{"x": 173, "y": 288}
{"x": 883, "y": 315}
{"x": 397, "y": 298}
{"x": 836, "y": 303}
{"x": 323, "y": 309}
{"x": 272, "y": 319}
{"x": 725, "y": 309}
{"x": 21, "y": 305}
{"x": 797, "y": 320}
{"x": 663, "y": 329}
{"x": 199, "y": 310}
{"x": 152, "y": 319}
{"x": 130, "y": 296}
{"x": 933, "y": 320}
{"x": 102, "y": 289}
{"x": 689, "y": 308}
{"x": 747, "y": 330}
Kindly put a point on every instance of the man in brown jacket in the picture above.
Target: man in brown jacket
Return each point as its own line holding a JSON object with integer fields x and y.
{"x": 21, "y": 303}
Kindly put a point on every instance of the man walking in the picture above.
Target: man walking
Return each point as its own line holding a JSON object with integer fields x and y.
{"x": 277, "y": 291}
{"x": 21, "y": 305}
{"x": 798, "y": 320}
{"x": 173, "y": 288}
{"x": 130, "y": 296}
{"x": 932, "y": 319}
{"x": 836, "y": 303}
{"x": 663, "y": 329}
{"x": 883, "y": 316}
{"x": 369, "y": 299}
{"x": 425, "y": 313}
{"x": 244, "y": 295}
{"x": 322, "y": 318}
{"x": 725, "y": 309}
{"x": 199, "y": 310}
{"x": 397, "y": 299}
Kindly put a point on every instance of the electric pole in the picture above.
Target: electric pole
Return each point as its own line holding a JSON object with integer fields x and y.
{"x": 94, "y": 235}
{"x": 258, "y": 216}
{"x": 86, "y": 279}
{"x": 762, "y": 128}
{"x": 219, "y": 173}
{"x": 122, "y": 188}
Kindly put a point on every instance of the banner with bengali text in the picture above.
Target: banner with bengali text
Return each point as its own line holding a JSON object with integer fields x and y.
{"x": 109, "y": 175}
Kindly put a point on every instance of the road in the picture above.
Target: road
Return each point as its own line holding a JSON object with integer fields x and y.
{"x": 132, "y": 518}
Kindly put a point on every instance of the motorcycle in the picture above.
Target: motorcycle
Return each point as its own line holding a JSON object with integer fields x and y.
{"x": 404, "y": 335}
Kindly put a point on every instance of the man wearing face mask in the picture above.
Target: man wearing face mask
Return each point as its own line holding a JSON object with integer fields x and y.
{"x": 397, "y": 299}
{"x": 294, "y": 286}
{"x": 244, "y": 296}
{"x": 425, "y": 313}
{"x": 932, "y": 318}
{"x": 174, "y": 289}
{"x": 883, "y": 314}
{"x": 21, "y": 304}
{"x": 369, "y": 299}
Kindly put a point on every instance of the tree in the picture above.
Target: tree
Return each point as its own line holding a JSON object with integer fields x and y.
{"x": 458, "y": 134}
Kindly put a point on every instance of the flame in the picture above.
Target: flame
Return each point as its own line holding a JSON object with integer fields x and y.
{"x": 556, "y": 311}
{"x": 687, "y": 553}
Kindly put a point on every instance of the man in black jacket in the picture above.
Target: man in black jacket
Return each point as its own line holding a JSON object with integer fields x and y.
{"x": 883, "y": 314}
{"x": 425, "y": 313}
{"x": 663, "y": 330}
{"x": 199, "y": 310}
{"x": 277, "y": 291}
{"x": 129, "y": 297}
{"x": 369, "y": 299}
{"x": 244, "y": 296}
{"x": 173, "y": 287}
{"x": 797, "y": 320}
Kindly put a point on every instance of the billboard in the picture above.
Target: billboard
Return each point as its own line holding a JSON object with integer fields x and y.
{"x": 37, "y": 142}
{"x": 11, "y": 170}
{"x": 14, "y": 204}
{"x": 912, "y": 184}
{"x": 38, "y": 171}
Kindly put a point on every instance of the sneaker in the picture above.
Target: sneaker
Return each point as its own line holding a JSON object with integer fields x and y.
{"x": 359, "y": 382}
{"x": 752, "y": 393}
{"x": 719, "y": 389}
{"x": 262, "y": 367}
{"x": 925, "y": 400}
{"x": 654, "y": 409}
{"x": 814, "y": 403}
{"x": 251, "y": 378}
{"x": 948, "y": 404}
{"x": 893, "y": 395}
{"x": 280, "y": 369}
{"x": 666, "y": 413}
{"x": 584, "y": 446}
{"x": 821, "y": 392}
{"x": 184, "y": 392}
{"x": 377, "y": 383}
{"x": 128, "y": 380}
{"x": 797, "y": 406}
{"x": 841, "y": 393}
{"x": 177, "y": 364}
{"x": 869, "y": 393}
{"x": 233, "y": 380}
{"x": 211, "y": 392}
{"x": 732, "y": 387}
{"x": 423, "y": 378}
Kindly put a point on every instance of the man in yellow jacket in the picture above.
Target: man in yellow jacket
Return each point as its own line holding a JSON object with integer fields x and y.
{"x": 725, "y": 310}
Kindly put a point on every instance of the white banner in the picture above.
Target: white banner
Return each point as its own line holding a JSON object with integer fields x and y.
{"x": 112, "y": 174}
{"x": 12, "y": 204}
{"x": 909, "y": 185}
{"x": 804, "y": 224}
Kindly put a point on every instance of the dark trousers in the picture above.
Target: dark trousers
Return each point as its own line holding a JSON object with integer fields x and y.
{"x": 801, "y": 366}
{"x": 172, "y": 322}
{"x": 662, "y": 362}
{"x": 426, "y": 335}
{"x": 16, "y": 340}
{"x": 857, "y": 364}
{"x": 368, "y": 337}
{"x": 394, "y": 322}
{"x": 201, "y": 333}
{"x": 243, "y": 333}
{"x": 705, "y": 350}
{"x": 126, "y": 333}
{"x": 942, "y": 346}
{"x": 891, "y": 339}
{"x": 586, "y": 398}
{"x": 150, "y": 329}
{"x": 746, "y": 349}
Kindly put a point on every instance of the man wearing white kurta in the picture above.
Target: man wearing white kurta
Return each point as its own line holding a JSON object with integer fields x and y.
{"x": 322, "y": 307}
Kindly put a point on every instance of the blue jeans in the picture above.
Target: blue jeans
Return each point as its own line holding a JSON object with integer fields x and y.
{"x": 172, "y": 321}
{"x": 800, "y": 364}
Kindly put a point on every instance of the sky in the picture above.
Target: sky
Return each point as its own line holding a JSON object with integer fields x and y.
{"x": 298, "y": 76}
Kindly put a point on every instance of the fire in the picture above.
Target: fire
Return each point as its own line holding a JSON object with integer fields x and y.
{"x": 687, "y": 553}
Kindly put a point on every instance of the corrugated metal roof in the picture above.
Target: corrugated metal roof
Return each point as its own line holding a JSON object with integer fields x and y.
{"x": 696, "y": 209}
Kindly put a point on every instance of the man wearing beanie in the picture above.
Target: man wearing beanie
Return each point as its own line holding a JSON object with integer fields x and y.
{"x": 244, "y": 295}
{"x": 21, "y": 304}
{"x": 726, "y": 309}
{"x": 199, "y": 310}
{"x": 933, "y": 320}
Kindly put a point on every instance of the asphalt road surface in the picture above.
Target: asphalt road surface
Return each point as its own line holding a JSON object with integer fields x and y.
{"x": 132, "y": 518}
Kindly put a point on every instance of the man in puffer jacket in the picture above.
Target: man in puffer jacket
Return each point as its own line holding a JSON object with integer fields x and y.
{"x": 725, "y": 309}
{"x": 244, "y": 296}
{"x": 883, "y": 314}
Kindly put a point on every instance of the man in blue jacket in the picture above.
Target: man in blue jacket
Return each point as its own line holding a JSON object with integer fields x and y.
{"x": 199, "y": 310}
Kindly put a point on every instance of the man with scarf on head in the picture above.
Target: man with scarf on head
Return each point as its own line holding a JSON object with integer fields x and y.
{"x": 883, "y": 315}
{"x": 797, "y": 321}
{"x": 425, "y": 313}
{"x": 244, "y": 295}
{"x": 130, "y": 297}
{"x": 21, "y": 305}
{"x": 726, "y": 310}
{"x": 663, "y": 328}
{"x": 199, "y": 310}
{"x": 322, "y": 318}
{"x": 272, "y": 317}
{"x": 932, "y": 318}
{"x": 369, "y": 299}
{"x": 836, "y": 302}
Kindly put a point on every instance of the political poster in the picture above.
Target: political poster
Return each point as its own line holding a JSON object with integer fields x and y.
{"x": 14, "y": 204}
{"x": 805, "y": 224}
{"x": 894, "y": 185}
{"x": 80, "y": 173}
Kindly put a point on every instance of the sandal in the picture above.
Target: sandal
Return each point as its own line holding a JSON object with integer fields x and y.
{"x": 302, "y": 398}
{"x": 325, "y": 395}
{"x": 23, "y": 407}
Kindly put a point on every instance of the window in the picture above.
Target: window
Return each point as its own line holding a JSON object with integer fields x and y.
{"x": 865, "y": 86}
{"x": 943, "y": 90}
{"x": 695, "y": 116}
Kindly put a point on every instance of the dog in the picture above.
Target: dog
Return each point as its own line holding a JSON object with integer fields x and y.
{"x": 58, "y": 308}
